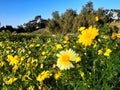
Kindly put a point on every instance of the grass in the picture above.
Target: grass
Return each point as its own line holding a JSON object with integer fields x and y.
{"x": 43, "y": 31}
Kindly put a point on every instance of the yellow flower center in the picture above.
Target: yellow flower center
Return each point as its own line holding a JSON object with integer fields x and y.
{"x": 65, "y": 59}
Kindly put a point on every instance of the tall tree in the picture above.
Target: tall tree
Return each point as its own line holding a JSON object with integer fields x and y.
{"x": 88, "y": 8}
{"x": 54, "y": 23}
{"x": 87, "y": 15}
{"x": 35, "y": 24}
{"x": 67, "y": 20}
{"x": 56, "y": 15}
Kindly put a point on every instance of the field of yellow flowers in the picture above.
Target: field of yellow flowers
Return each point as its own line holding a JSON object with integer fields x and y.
{"x": 88, "y": 61}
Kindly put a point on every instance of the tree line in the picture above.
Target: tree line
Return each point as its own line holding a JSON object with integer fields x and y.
{"x": 69, "y": 21}
{"x": 37, "y": 23}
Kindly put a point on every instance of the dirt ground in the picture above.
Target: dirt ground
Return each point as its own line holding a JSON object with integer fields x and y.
{"x": 116, "y": 24}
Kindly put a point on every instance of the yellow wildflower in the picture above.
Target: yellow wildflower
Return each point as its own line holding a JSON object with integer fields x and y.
{"x": 30, "y": 88}
{"x": 81, "y": 29}
{"x": 8, "y": 47}
{"x": 78, "y": 58}
{"x": 34, "y": 62}
{"x": 116, "y": 45}
{"x": 10, "y": 81}
{"x": 2, "y": 64}
{"x": 65, "y": 42}
{"x": 43, "y": 53}
{"x": 82, "y": 74}
{"x": 13, "y": 60}
{"x": 44, "y": 57}
{"x": 65, "y": 58}
{"x": 49, "y": 40}
{"x": 58, "y": 46}
{"x": 105, "y": 37}
{"x": 1, "y": 44}
{"x": 100, "y": 52}
{"x": 26, "y": 76}
{"x": 74, "y": 46}
{"x": 99, "y": 40}
{"x": 87, "y": 36}
{"x": 57, "y": 75}
{"x": 31, "y": 45}
{"x": 118, "y": 35}
{"x": 15, "y": 68}
{"x": 44, "y": 45}
{"x": 37, "y": 45}
{"x": 22, "y": 58}
{"x": 114, "y": 36}
{"x": 21, "y": 50}
{"x": 95, "y": 45}
{"x": 96, "y": 18}
{"x": 67, "y": 38}
{"x": 41, "y": 66}
{"x": 42, "y": 76}
{"x": 29, "y": 52}
{"x": 107, "y": 53}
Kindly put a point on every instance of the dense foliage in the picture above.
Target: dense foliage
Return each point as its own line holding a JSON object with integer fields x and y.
{"x": 64, "y": 59}
{"x": 87, "y": 61}
{"x": 70, "y": 20}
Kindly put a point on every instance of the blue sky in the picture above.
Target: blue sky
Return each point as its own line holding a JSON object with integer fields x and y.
{"x": 18, "y": 12}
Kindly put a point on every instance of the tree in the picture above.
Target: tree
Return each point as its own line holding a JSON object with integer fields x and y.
{"x": 101, "y": 13}
{"x": 10, "y": 28}
{"x": 35, "y": 24}
{"x": 30, "y": 26}
{"x": 53, "y": 26}
{"x": 88, "y": 8}
{"x": 67, "y": 21}
{"x": 87, "y": 15}
{"x": 54, "y": 23}
{"x": 20, "y": 29}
